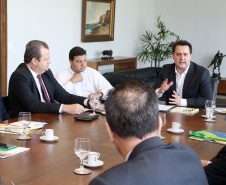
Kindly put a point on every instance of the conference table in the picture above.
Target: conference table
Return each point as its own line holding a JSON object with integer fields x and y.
{"x": 50, "y": 163}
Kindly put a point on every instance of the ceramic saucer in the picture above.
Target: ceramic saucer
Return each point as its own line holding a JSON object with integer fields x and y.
{"x": 44, "y": 138}
{"x": 210, "y": 120}
{"x": 204, "y": 116}
{"x": 176, "y": 132}
{"x": 99, "y": 163}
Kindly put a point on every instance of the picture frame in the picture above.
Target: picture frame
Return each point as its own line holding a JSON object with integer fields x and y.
{"x": 98, "y": 20}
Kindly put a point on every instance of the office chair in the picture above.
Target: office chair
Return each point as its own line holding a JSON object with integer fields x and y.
{"x": 5, "y": 101}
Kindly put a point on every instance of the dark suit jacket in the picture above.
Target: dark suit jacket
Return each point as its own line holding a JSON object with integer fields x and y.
{"x": 153, "y": 162}
{"x": 216, "y": 171}
{"x": 3, "y": 114}
{"x": 24, "y": 94}
{"x": 197, "y": 84}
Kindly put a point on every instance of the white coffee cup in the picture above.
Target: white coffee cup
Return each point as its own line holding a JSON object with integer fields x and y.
{"x": 175, "y": 126}
{"x": 49, "y": 133}
{"x": 93, "y": 158}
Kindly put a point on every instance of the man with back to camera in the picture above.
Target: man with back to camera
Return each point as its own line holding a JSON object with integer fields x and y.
{"x": 134, "y": 127}
{"x": 33, "y": 88}
{"x": 184, "y": 83}
{"x": 81, "y": 80}
{"x": 3, "y": 114}
{"x": 216, "y": 171}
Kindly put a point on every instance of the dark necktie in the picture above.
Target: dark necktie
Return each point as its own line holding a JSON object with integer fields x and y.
{"x": 44, "y": 93}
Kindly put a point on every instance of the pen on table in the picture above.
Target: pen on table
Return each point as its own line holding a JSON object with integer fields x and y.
{"x": 210, "y": 141}
{"x": 206, "y": 140}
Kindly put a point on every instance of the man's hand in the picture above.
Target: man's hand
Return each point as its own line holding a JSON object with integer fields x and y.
{"x": 176, "y": 100}
{"x": 97, "y": 94}
{"x": 76, "y": 78}
{"x": 165, "y": 86}
{"x": 73, "y": 108}
{"x": 204, "y": 163}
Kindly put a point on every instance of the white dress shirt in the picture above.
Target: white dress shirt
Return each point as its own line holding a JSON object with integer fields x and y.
{"x": 92, "y": 82}
{"x": 180, "y": 85}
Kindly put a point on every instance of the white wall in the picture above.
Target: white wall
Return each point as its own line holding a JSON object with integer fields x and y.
{"x": 201, "y": 22}
{"x": 59, "y": 24}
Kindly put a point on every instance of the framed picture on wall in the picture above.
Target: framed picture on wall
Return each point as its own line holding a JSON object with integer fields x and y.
{"x": 98, "y": 20}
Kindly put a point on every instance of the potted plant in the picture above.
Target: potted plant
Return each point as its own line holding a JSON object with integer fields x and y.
{"x": 155, "y": 47}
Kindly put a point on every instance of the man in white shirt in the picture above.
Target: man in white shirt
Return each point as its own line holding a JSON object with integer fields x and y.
{"x": 189, "y": 83}
{"x": 81, "y": 80}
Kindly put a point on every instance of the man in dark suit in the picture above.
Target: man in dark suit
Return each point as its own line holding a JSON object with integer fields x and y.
{"x": 3, "y": 114}
{"x": 189, "y": 83}
{"x": 216, "y": 171}
{"x": 134, "y": 127}
{"x": 33, "y": 88}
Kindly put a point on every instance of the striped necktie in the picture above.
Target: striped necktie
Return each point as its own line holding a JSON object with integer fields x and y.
{"x": 44, "y": 93}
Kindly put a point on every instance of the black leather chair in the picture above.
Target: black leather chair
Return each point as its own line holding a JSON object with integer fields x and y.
{"x": 5, "y": 101}
{"x": 148, "y": 74}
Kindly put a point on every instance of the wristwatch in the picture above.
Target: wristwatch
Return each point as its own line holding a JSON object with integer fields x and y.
{"x": 102, "y": 94}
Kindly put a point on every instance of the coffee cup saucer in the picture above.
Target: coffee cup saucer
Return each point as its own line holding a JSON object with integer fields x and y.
{"x": 204, "y": 116}
{"x": 99, "y": 164}
{"x": 175, "y": 132}
{"x": 53, "y": 139}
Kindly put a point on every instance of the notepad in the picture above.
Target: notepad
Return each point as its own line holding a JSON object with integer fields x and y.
{"x": 4, "y": 152}
{"x": 165, "y": 108}
{"x": 185, "y": 110}
{"x": 17, "y": 128}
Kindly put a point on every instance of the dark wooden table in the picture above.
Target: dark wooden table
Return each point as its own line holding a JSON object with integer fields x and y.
{"x": 50, "y": 163}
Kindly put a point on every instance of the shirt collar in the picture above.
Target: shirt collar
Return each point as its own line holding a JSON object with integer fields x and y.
{"x": 32, "y": 72}
{"x": 73, "y": 73}
{"x": 185, "y": 72}
{"x": 127, "y": 156}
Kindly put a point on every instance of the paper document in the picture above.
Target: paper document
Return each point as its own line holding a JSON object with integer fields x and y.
{"x": 17, "y": 128}
{"x": 165, "y": 107}
{"x": 4, "y": 153}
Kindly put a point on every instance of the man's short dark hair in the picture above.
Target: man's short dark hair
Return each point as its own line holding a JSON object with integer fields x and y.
{"x": 182, "y": 43}
{"x": 33, "y": 50}
{"x": 76, "y": 51}
{"x": 132, "y": 109}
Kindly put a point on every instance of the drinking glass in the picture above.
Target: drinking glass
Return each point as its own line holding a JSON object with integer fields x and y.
{"x": 82, "y": 149}
{"x": 214, "y": 107}
{"x": 24, "y": 119}
{"x": 163, "y": 117}
{"x": 94, "y": 100}
{"x": 210, "y": 106}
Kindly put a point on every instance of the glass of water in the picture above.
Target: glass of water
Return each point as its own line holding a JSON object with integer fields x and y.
{"x": 163, "y": 117}
{"x": 82, "y": 149}
{"x": 210, "y": 105}
{"x": 24, "y": 119}
{"x": 94, "y": 100}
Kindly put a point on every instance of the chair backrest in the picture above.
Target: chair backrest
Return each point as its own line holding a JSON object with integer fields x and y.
{"x": 214, "y": 83}
{"x": 5, "y": 101}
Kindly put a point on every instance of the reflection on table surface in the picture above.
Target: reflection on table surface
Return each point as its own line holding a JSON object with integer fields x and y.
{"x": 54, "y": 162}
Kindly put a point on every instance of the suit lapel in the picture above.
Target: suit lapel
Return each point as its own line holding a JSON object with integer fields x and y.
{"x": 33, "y": 81}
{"x": 172, "y": 77}
{"x": 188, "y": 78}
